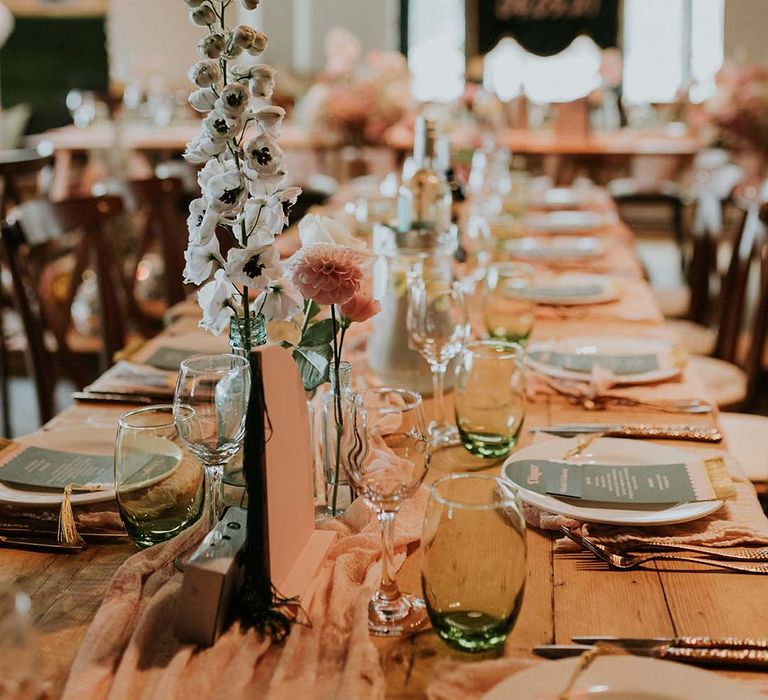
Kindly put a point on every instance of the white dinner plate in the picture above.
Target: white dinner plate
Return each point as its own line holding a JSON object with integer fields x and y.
{"x": 616, "y": 451}
{"x": 568, "y": 221}
{"x": 573, "y": 289}
{"x": 97, "y": 441}
{"x": 556, "y": 248}
{"x": 560, "y": 198}
{"x": 669, "y": 360}
{"x": 621, "y": 678}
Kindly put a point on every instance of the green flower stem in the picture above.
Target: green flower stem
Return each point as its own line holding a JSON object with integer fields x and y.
{"x": 336, "y": 410}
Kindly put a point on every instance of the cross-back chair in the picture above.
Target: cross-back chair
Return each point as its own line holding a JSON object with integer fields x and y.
{"x": 40, "y": 234}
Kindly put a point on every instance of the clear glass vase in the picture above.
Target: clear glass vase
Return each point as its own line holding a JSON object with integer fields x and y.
{"x": 334, "y": 407}
{"x": 242, "y": 339}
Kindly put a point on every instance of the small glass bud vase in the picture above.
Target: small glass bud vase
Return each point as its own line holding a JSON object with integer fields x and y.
{"x": 246, "y": 334}
{"x": 334, "y": 407}
{"x": 243, "y": 337}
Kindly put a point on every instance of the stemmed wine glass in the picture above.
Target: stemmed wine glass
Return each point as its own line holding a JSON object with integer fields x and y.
{"x": 388, "y": 452}
{"x": 214, "y": 389}
{"x": 438, "y": 325}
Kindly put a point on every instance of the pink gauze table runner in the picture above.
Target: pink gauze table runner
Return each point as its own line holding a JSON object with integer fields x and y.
{"x": 130, "y": 653}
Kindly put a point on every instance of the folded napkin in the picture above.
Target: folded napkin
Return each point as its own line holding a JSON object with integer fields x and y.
{"x": 132, "y": 378}
{"x": 129, "y": 651}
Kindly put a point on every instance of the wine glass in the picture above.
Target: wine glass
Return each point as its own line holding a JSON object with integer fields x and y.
{"x": 214, "y": 388}
{"x": 388, "y": 453}
{"x": 438, "y": 324}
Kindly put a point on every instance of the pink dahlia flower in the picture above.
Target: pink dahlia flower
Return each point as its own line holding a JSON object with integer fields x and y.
{"x": 328, "y": 273}
{"x": 360, "y": 307}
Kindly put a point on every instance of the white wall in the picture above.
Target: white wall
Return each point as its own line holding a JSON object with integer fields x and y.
{"x": 151, "y": 38}
{"x": 154, "y": 37}
{"x": 746, "y": 22}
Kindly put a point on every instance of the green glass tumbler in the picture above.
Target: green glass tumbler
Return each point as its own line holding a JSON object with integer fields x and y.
{"x": 474, "y": 560}
{"x": 509, "y": 311}
{"x": 158, "y": 482}
{"x": 489, "y": 397}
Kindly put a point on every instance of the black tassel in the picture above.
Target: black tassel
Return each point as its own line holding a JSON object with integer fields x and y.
{"x": 259, "y": 605}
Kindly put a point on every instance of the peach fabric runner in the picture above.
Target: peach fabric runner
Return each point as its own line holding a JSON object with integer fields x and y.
{"x": 130, "y": 653}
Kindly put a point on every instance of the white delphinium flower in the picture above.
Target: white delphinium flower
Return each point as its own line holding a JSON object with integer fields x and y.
{"x": 233, "y": 100}
{"x": 200, "y": 228}
{"x": 280, "y": 300}
{"x": 261, "y": 81}
{"x": 203, "y": 99}
{"x": 205, "y": 73}
{"x": 255, "y": 265}
{"x": 220, "y": 127}
{"x": 211, "y": 46}
{"x": 270, "y": 211}
{"x": 264, "y": 156}
{"x": 226, "y": 193}
{"x": 203, "y": 15}
{"x": 323, "y": 229}
{"x": 202, "y": 149}
{"x": 200, "y": 260}
{"x": 260, "y": 43}
{"x": 243, "y": 36}
{"x": 269, "y": 120}
{"x": 216, "y": 301}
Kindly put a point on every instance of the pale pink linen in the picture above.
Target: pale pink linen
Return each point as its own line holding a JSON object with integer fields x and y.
{"x": 129, "y": 652}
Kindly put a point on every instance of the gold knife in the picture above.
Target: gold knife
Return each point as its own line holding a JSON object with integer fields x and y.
{"x": 709, "y": 656}
{"x": 659, "y": 431}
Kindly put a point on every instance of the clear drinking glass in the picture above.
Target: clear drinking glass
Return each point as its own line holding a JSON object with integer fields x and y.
{"x": 158, "y": 482}
{"x": 474, "y": 560}
{"x": 438, "y": 325}
{"x": 214, "y": 389}
{"x": 509, "y": 311}
{"x": 489, "y": 396}
{"x": 388, "y": 454}
{"x": 20, "y": 677}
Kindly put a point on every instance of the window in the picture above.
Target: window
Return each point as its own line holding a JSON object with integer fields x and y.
{"x": 671, "y": 45}
{"x": 569, "y": 75}
{"x": 436, "y": 49}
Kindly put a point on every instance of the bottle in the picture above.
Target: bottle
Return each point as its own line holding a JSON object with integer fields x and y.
{"x": 424, "y": 199}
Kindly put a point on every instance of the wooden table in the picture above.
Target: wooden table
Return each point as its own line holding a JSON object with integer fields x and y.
{"x": 598, "y": 152}
{"x": 65, "y": 142}
{"x": 564, "y": 596}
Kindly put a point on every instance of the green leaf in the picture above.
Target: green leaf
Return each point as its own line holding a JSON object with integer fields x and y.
{"x": 320, "y": 333}
{"x": 314, "y": 309}
{"x": 313, "y": 363}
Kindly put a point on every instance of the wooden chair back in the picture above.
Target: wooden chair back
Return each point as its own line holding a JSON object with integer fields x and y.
{"x": 40, "y": 234}
{"x": 160, "y": 202}
{"x": 753, "y": 363}
{"x": 15, "y": 167}
{"x": 733, "y": 295}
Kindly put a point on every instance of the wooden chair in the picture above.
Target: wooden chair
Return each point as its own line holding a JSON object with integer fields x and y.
{"x": 19, "y": 173}
{"x": 41, "y": 233}
{"x": 733, "y": 377}
{"x": 160, "y": 202}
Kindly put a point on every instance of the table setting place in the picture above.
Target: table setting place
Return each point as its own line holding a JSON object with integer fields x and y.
{"x": 434, "y": 442}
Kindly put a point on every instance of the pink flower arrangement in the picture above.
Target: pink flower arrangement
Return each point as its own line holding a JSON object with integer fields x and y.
{"x": 739, "y": 110}
{"x": 328, "y": 273}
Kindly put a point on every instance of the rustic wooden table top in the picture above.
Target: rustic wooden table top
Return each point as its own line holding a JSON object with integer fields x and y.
{"x": 564, "y": 596}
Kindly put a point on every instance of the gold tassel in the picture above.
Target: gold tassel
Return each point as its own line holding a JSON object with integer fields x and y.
{"x": 721, "y": 481}
{"x": 68, "y": 533}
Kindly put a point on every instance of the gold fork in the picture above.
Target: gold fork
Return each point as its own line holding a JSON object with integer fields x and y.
{"x": 627, "y": 561}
